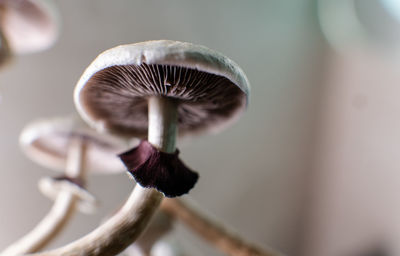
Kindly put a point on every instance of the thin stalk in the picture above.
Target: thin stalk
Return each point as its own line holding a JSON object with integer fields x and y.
{"x": 121, "y": 230}
{"x": 60, "y": 213}
{"x": 211, "y": 230}
{"x": 163, "y": 116}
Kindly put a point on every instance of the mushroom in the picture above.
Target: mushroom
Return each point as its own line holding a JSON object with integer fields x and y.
{"x": 68, "y": 145}
{"x": 26, "y": 26}
{"x": 154, "y": 87}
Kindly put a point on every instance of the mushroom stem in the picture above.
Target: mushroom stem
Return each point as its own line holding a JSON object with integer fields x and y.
{"x": 155, "y": 163}
{"x": 47, "y": 229}
{"x": 75, "y": 159}
{"x": 121, "y": 230}
{"x": 163, "y": 116}
{"x": 61, "y": 212}
{"x": 211, "y": 230}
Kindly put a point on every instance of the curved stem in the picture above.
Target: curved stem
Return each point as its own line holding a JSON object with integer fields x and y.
{"x": 118, "y": 232}
{"x": 121, "y": 230}
{"x": 47, "y": 229}
{"x": 60, "y": 213}
{"x": 212, "y": 231}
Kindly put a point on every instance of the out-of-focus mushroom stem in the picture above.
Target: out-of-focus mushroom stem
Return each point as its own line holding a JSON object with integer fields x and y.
{"x": 47, "y": 229}
{"x": 75, "y": 167}
{"x": 61, "y": 212}
{"x": 212, "y": 231}
{"x": 120, "y": 231}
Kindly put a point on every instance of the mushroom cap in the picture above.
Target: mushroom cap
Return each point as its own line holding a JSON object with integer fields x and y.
{"x": 29, "y": 25}
{"x": 210, "y": 89}
{"x": 51, "y": 188}
{"x": 46, "y": 143}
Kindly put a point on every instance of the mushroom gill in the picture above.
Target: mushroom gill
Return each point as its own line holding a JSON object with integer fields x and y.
{"x": 118, "y": 94}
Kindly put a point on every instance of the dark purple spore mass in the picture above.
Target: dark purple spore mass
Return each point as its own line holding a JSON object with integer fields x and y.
{"x": 165, "y": 172}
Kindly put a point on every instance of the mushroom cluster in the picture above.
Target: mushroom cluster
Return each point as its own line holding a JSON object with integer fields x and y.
{"x": 162, "y": 89}
{"x": 155, "y": 91}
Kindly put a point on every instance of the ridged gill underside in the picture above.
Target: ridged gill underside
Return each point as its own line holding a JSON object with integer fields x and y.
{"x": 118, "y": 96}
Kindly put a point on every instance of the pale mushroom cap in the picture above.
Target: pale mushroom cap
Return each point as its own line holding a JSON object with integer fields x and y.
{"x": 29, "y": 25}
{"x": 106, "y": 110}
{"x": 51, "y": 188}
{"x": 46, "y": 143}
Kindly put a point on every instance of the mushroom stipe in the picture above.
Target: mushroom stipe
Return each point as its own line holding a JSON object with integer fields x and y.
{"x": 156, "y": 169}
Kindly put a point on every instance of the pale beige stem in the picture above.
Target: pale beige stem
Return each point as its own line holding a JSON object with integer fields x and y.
{"x": 121, "y": 230}
{"x": 163, "y": 116}
{"x": 61, "y": 212}
{"x": 211, "y": 230}
{"x": 118, "y": 232}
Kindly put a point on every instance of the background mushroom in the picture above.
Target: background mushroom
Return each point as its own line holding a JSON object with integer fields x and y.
{"x": 155, "y": 86}
{"x": 68, "y": 145}
{"x": 26, "y": 26}
{"x": 29, "y": 25}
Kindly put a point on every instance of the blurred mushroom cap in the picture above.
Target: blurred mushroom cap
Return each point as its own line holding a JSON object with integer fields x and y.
{"x": 46, "y": 142}
{"x": 29, "y": 25}
{"x": 51, "y": 188}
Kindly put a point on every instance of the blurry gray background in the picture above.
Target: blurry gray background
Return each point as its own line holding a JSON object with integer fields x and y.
{"x": 252, "y": 174}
